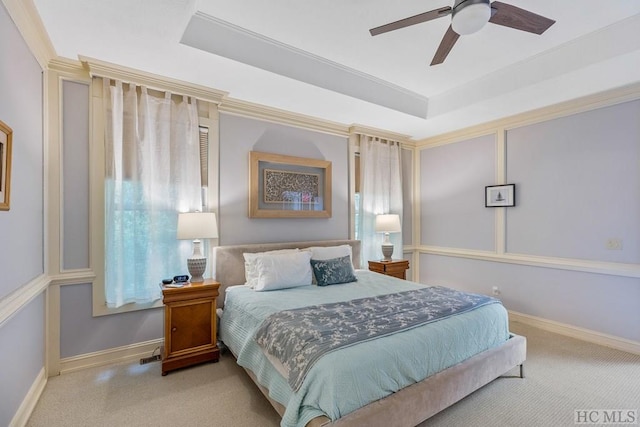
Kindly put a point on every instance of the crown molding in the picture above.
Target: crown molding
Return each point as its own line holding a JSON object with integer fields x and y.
{"x": 274, "y": 115}
{"x": 86, "y": 67}
{"x": 97, "y": 68}
{"x": 26, "y": 17}
{"x": 269, "y": 114}
{"x": 369, "y": 131}
{"x": 69, "y": 68}
{"x": 586, "y": 103}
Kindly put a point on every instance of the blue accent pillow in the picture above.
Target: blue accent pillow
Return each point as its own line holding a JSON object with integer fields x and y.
{"x": 333, "y": 271}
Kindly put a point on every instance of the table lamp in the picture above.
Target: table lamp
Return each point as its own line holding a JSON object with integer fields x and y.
{"x": 388, "y": 223}
{"x": 196, "y": 226}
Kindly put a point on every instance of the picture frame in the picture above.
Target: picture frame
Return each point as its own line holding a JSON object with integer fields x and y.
{"x": 500, "y": 195}
{"x": 6, "y": 136}
{"x": 289, "y": 187}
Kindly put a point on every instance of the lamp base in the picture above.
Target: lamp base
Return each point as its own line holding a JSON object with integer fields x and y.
{"x": 387, "y": 251}
{"x": 196, "y": 267}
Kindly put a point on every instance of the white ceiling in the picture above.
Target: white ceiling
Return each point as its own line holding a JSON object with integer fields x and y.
{"x": 497, "y": 72}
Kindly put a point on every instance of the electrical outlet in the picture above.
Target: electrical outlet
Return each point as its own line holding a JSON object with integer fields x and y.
{"x": 150, "y": 359}
{"x": 614, "y": 244}
{"x": 495, "y": 290}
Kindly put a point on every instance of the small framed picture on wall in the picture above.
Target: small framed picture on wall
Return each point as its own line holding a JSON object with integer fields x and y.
{"x": 499, "y": 195}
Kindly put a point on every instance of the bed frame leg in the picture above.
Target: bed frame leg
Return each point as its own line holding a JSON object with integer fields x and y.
{"x": 520, "y": 375}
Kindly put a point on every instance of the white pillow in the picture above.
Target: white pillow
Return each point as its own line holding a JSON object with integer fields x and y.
{"x": 250, "y": 273}
{"x": 283, "y": 270}
{"x": 329, "y": 252}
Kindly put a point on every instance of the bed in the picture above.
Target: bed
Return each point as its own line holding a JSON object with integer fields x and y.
{"x": 378, "y": 382}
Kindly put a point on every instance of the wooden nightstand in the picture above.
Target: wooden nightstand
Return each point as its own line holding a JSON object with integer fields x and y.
{"x": 396, "y": 268}
{"x": 189, "y": 325}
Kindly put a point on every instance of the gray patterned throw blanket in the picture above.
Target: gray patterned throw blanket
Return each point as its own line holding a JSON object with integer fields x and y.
{"x": 299, "y": 337}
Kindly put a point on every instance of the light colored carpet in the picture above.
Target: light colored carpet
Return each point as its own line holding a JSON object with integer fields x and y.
{"x": 562, "y": 375}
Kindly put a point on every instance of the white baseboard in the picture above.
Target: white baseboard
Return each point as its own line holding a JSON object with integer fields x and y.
{"x": 576, "y": 332}
{"x": 30, "y": 400}
{"x": 126, "y": 353}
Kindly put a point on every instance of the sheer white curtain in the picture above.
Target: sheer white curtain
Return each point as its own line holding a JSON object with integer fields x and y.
{"x": 152, "y": 168}
{"x": 380, "y": 193}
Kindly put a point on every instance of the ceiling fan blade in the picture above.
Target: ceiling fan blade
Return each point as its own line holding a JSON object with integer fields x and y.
{"x": 406, "y": 22}
{"x": 450, "y": 38}
{"x": 513, "y": 17}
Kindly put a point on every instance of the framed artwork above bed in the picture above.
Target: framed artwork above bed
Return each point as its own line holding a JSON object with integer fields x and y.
{"x": 289, "y": 187}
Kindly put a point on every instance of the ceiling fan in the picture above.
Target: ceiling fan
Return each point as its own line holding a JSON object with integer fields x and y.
{"x": 469, "y": 16}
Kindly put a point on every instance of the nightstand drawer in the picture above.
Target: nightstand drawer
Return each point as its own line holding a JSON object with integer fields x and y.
{"x": 396, "y": 268}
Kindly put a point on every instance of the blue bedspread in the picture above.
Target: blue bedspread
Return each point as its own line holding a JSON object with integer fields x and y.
{"x": 299, "y": 337}
{"x": 349, "y": 378}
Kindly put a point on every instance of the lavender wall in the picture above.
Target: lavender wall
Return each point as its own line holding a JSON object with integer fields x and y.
{"x": 21, "y": 356}
{"x": 21, "y": 228}
{"x": 407, "y": 197}
{"x": 578, "y": 179}
{"x": 21, "y": 259}
{"x": 452, "y": 180}
{"x": 597, "y": 302}
{"x": 75, "y": 177}
{"x": 81, "y": 333}
{"x": 239, "y": 136}
{"x": 577, "y": 184}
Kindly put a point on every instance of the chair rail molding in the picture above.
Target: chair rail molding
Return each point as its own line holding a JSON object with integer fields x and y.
{"x": 598, "y": 267}
{"x": 12, "y": 303}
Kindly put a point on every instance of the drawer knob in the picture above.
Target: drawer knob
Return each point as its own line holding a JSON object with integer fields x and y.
{"x": 174, "y": 329}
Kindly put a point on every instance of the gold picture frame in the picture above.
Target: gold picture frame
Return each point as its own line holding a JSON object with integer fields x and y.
{"x": 289, "y": 187}
{"x": 6, "y": 135}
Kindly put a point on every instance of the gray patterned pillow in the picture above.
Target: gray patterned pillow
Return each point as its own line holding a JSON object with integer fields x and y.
{"x": 333, "y": 271}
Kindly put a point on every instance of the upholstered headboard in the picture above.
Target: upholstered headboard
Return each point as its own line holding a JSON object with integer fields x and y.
{"x": 228, "y": 262}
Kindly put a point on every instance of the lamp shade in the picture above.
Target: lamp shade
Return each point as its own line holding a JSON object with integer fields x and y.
{"x": 388, "y": 223}
{"x": 470, "y": 16}
{"x": 197, "y": 225}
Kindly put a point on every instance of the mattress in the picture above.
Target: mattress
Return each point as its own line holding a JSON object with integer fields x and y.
{"x": 352, "y": 377}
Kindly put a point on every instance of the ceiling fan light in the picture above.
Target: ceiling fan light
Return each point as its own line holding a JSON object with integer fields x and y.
{"x": 470, "y": 16}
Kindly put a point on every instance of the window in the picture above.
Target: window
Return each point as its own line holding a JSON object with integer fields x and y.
{"x": 379, "y": 192}
{"x": 156, "y": 165}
